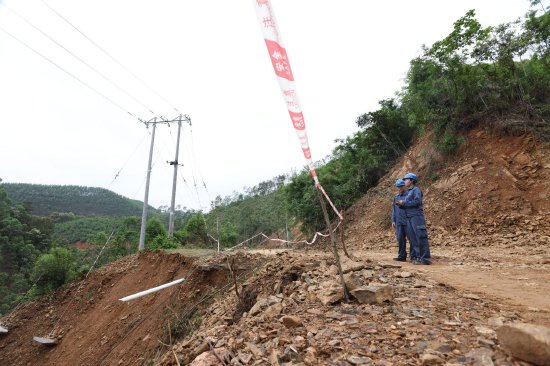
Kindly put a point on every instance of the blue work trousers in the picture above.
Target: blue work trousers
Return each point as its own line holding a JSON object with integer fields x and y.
{"x": 418, "y": 237}
{"x": 401, "y": 235}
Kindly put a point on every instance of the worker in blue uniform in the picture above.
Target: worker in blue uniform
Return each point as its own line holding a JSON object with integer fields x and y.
{"x": 416, "y": 223}
{"x": 399, "y": 222}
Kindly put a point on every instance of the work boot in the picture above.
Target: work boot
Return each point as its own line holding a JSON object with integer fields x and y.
{"x": 426, "y": 263}
{"x": 399, "y": 259}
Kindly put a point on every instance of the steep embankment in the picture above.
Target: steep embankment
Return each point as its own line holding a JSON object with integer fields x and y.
{"x": 93, "y": 327}
{"x": 494, "y": 190}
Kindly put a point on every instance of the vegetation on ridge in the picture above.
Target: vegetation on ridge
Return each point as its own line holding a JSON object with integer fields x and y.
{"x": 80, "y": 201}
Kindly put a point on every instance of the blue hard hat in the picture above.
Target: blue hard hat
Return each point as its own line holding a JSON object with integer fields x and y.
{"x": 410, "y": 176}
{"x": 399, "y": 183}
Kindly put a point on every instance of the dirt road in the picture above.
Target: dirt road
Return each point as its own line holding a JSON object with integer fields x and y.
{"x": 520, "y": 283}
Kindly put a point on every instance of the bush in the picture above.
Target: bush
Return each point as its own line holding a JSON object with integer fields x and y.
{"x": 162, "y": 242}
{"x": 53, "y": 270}
{"x": 196, "y": 230}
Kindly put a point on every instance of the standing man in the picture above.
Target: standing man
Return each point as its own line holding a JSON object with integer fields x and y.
{"x": 399, "y": 222}
{"x": 416, "y": 223}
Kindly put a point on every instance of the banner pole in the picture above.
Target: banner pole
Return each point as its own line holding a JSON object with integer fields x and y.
{"x": 333, "y": 241}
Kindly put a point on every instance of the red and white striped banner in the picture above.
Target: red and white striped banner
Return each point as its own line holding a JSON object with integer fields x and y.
{"x": 281, "y": 65}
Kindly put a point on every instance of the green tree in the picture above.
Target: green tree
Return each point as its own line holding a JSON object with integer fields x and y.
{"x": 228, "y": 234}
{"x": 53, "y": 270}
{"x": 196, "y": 229}
{"x": 154, "y": 229}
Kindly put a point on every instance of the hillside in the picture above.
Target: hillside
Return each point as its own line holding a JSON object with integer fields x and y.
{"x": 487, "y": 208}
{"x": 81, "y": 201}
{"x": 494, "y": 190}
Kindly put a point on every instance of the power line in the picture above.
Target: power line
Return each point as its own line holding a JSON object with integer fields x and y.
{"x": 197, "y": 165}
{"x": 126, "y": 162}
{"x": 81, "y": 60}
{"x": 67, "y": 72}
{"x": 111, "y": 57}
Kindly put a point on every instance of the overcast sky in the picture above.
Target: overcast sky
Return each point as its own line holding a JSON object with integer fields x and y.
{"x": 209, "y": 61}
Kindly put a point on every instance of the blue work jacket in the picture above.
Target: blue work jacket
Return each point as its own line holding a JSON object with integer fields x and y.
{"x": 413, "y": 202}
{"x": 398, "y": 215}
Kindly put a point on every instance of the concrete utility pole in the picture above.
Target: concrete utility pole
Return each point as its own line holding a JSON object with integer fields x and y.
{"x": 154, "y": 122}
{"x": 146, "y": 198}
{"x": 173, "y": 202}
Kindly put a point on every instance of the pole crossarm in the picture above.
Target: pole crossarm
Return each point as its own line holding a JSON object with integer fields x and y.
{"x": 163, "y": 120}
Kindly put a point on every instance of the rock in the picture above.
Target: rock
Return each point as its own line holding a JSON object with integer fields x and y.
{"x": 373, "y": 294}
{"x": 245, "y": 357}
{"x": 403, "y": 274}
{"x": 291, "y": 321}
{"x": 201, "y": 348}
{"x": 290, "y": 354}
{"x": 274, "y": 310}
{"x": 485, "y": 331}
{"x": 256, "y": 351}
{"x": 299, "y": 342}
{"x": 314, "y": 311}
{"x": 528, "y": 342}
{"x": 419, "y": 283}
{"x": 209, "y": 358}
{"x": 496, "y": 321}
{"x": 429, "y": 359}
{"x": 471, "y": 296}
{"x": 359, "y": 360}
{"x": 258, "y": 306}
{"x": 481, "y": 357}
{"x": 330, "y": 292}
{"x": 367, "y": 273}
{"x": 274, "y": 358}
{"x": 353, "y": 281}
{"x": 311, "y": 356}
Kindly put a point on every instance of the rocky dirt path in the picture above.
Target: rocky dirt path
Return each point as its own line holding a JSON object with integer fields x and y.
{"x": 519, "y": 282}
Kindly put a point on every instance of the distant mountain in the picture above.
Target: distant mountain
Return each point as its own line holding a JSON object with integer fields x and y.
{"x": 82, "y": 201}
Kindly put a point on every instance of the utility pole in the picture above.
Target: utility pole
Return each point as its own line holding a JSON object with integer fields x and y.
{"x": 153, "y": 122}
{"x": 173, "y": 202}
{"x": 146, "y": 198}
{"x": 175, "y": 164}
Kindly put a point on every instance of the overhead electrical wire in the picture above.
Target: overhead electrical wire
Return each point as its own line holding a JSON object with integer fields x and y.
{"x": 127, "y": 160}
{"x": 133, "y": 75}
{"x": 68, "y": 73}
{"x": 80, "y": 59}
{"x": 110, "y": 56}
{"x": 197, "y": 165}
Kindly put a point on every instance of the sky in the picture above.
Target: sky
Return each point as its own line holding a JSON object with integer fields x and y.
{"x": 207, "y": 60}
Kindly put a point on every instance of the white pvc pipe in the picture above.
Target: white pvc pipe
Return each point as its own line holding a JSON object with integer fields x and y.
{"x": 151, "y": 290}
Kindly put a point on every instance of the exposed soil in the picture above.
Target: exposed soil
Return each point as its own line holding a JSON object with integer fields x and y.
{"x": 488, "y": 213}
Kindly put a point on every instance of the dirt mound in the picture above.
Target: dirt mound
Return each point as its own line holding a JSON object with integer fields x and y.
{"x": 94, "y": 328}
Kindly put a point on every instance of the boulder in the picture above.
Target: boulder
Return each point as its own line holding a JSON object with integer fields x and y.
{"x": 353, "y": 281}
{"x": 291, "y": 321}
{"x": 373, "y": 294}
{"x": 527, "y": 342}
